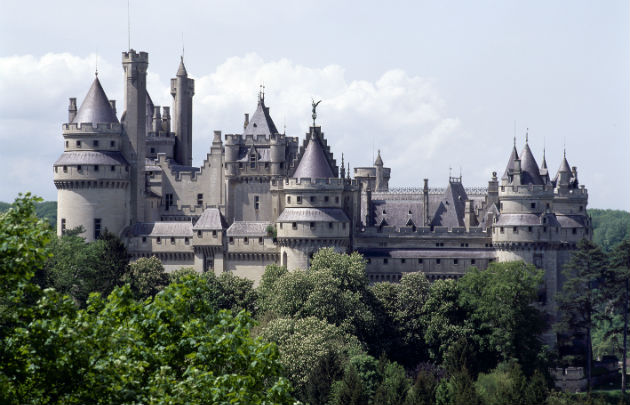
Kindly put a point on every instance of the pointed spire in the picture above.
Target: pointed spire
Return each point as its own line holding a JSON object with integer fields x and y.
{"x": 529, "y": 168}
{"x": 348, "y": 172}
{"x": 544, "y": 161}
{"x": 511, "y": 160}
{"x": 260, "y": 122}
{"x": 95, "y": 108}
{"x": 181, "y": 71}
{"x": 527, "y": 136}
{"x": 378, "y": 161}
{"x": 313, "y": 163}
{"x": 343, "y": 168}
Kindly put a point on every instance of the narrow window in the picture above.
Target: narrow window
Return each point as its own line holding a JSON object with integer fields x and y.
{"x": 502, "y": 230}
{"x": 112, "y": 143}
{"x": 325, "y": 198}
{"x": 67, "y": 144}
{"x": 158, "y": 240}
{"x": 95, "y": 143}
{"x": 337, "y": 199}
{"x": 312, "y": 225}
{"x": 187, "y": 241}
{"x": 260, "y": 241}
{"x": 369, "y": 261}
{"x": 266, "y": 165}
{"x": 144, "y": 239}
{"x": 199, "y": 199}
{"x": 288, "y": 199}
{"x": 532, "y": 205}
{"x": 252, "y": 161}
{"x": 231, "y": 240}
{"x": 172, "y": 241}
{"x": 97, "y": 228}
{"x": 65, "y": 169}
{"x": 419, "y": 261}
{"x": 199, "y": 233}
{"x": 330, "y": 225}
{"x": 256, "y": 202}
{"x": 343, "y": 225}
{"x": 79, "y": 168}
{"x": 294, "y": 225}
{"x": 299, "y": 199}
{"x": 403, "y": 261}
{"x": 312, "y": 198}
{"x": 574, "y": 231}
{"x": 78, "y": 144}
{"x": 152, "y": 150}
{"x": 515, "y": 229}
{"x": 501, "y": 206}
{"x": 438, "y": 261}
{"x": 168, "y": 201}
{"x": 214, "y": 234}
{"x": 529, "y": 229}
{"x": 581, "y": 208}
{"x": 96, "y": 168}
{"x": 385, "y": 261}
{"x": 472, "y": 261}
{"x": 455, "y": 261}
{"x": 63, "y": 225}
{"x": 113, "y": 168}
{"x": 246, "y": 240}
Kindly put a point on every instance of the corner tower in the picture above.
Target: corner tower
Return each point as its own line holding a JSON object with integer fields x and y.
{"x": 135, "y": 127}
{"x": 183, "y": 90}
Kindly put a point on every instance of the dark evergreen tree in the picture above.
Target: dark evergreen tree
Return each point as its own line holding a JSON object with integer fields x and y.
{"x": 327, "y": 370}
{"x": 581, "y": 298}
{"x": 350, "y": 390}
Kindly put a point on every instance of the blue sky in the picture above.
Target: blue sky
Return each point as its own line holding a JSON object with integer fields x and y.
{"x": 432, "y": 84}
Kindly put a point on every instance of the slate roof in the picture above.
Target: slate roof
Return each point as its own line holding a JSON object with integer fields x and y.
{"x": 91, "y": 158}
{"x": 527, "y": 220}
{"x": 313, "y": 215}
{"x": 510, "y": 165}
{"x": 166, "y": 229}
{"x": 181, "y": 71}
{"x": 313, "y": 163}
{"x": 450, "y": 212}
{"x": 263, "y": 154}
{"x": 529, "y": 168}
{"x": 261, "y": 123}
{"x": 248, "y": 228}
{"x": 210, "y": 219}
{"x": 378, "y": 161}
{"x": 572, "y": 221}
{"x": 95, "y": 107}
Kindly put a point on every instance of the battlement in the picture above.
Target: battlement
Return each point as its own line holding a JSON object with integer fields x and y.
{"x": 261, "y": 139}
{"x": 430, "y": 232}
{"x": 332, "y": 183}
{"x": 88, "y": 127}
{"x": 133, "y": 56}
{"x": 530, "y": 190}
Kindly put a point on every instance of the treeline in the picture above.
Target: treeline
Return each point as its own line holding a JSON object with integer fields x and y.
{"x": 80, "y": 325}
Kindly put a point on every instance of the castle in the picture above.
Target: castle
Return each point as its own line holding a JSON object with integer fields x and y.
{"x": 262, "y": 197}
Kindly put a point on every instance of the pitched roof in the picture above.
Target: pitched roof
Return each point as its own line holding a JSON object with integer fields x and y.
{"x": 564, "y": 167}
{"x": 529, "y": 168}
{"x": 95, "y": 107}
{"x": 450, "y": 212}
{"x": 91, "y": 158}
{"x": 261, "y": 122}
{"x": 313, "y": 215}
{"x": 211, "y": 219}
{"x": 166, "y": 229}
{"x": 313, "y": 163}
{"x": 248, "y": 228}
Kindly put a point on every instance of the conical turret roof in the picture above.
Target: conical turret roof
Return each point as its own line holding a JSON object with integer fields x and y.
{"x": 96, "y": 107}
{"x": 313, "y": 163}
{"x": 510, "y": 165}
{"x": 379, "y": 161}
{"x": 564, "y": 167}
{"x": 261, "y": 123}
{"x": 181, "y": 71}
{"x": 529, "y": 168}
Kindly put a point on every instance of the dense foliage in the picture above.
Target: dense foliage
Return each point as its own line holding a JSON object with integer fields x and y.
{"x": 610, "y": 227}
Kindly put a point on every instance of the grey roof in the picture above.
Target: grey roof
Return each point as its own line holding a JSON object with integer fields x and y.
{"x": 450, "y": 212}
{"x": 378, "y": 161}
{"x": 572, "y": 221}
{"x": 429, "y": 253}
{"x": 313, "y": 163}
{"x": 263, "y": 154}
{"x": 95, "y": 107}
{"x": 529, "y": 168}
{"x": 248, "y": 228}
{"x": 181, "y": 71}
{"x": 261, "y": 122}
{"x": 510, "y": 166}
{"x": 313, "y": 215}
{"x": 211, "y": 219}
{"x": 91, "y": 158}
{"x": 527, "y": 220}
{"x": 165, "y": 229}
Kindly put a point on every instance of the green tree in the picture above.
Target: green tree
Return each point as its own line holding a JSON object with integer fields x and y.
{"x": 327, "y": 370}
{"x": 580, "y": 299}
{"x": 146, "y": 277}
{"x": 394, "y": 386}
{"x": 424, "y": 388}
{"x": 500, "y": 311}
{"x": 610, "y": 227}
{"x": 350, "y": 390}
{"x": 235, "y": 293}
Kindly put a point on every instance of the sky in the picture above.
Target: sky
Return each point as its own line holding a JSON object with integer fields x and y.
{"x": 438, "y": 87}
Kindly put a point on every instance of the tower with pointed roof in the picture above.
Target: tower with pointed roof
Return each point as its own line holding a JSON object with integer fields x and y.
{"x": 183, "y": 90}
{"x": 92, "y": 173}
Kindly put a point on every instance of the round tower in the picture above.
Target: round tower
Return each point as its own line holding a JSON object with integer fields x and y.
{"x": 91, "y": 175}
{"x": 277, "y": 150}
{"x": 313, "y": 216}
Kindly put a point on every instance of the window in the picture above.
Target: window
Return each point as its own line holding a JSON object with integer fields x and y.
{"x": 172, "y": 241}
{"x": 67, "y": 144}
{"x": 95, "y": 143}
{"x": 96, "y": 168}
{"x": 299, "y": 199}
{"x": 438, "y": 261}
{"x": 501, "y": 206}
{"x": 455, "y": 261}
{"x": 79, "y": 168}
{"x": 240, "y": 165}
{"x": 312, "y": 225}
{"x": 280, "y": 225}
{"x": 472, "y": 261}
{"x": 502, "y": 230}
{"x": 214, "y": 234}
{"x": 288, "y": 199}
{"x": 112, "y": 143}
{"x": 403, "y": 261}
{"x": 544, "y": 229}
{"x": 168, "y": 201}
{"x": 152, "y": 150}
{"x": 548, "y": 205}
{"x": 260, "y": 241}
{"x": 252, "y": 160}
{"x": 325, "y": 198}
{"x": 385, "y": 261}
{"x": 294, "y": 225}
{"x": 529, "y": 229}
{"x": 158, "y": 240}
{"x": 231, "y": 240}
{"x": 532, "y": 205}
{"x": 246, "y": 240}
{"x": 581, "y": 208}
{"x": 63, "y": 225}
{"x": 78, "y": 144}
{"x": 97, "y": 228}
{"x": 282, "y": 165}
{"x": 199, "y": 234}
{"x": 256, "y": 202}
{"x": 312, "y": 198}
{"x": 199, "y": 199}
{"x": 144, "y": 239}
{"x": 266, "y": 165}
{"x": 343, "y": 225}
{"x": 419, "y": 261}
{"x": 574, "y": 231}
{"x": 330, "y": 225}
{"x": 337, "y": 199}
{"x": 113, "y": 168}
{"x": 515, "y": 229}
{"x": 65, "y": 169}
{"x": 369, "y": 261}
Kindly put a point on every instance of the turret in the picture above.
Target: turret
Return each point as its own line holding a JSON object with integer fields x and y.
{"x": 183, "y": 90}
{"x": 380, "y": 183}
{"x": 166, "y": 119}
{"x": 135, "y": 65}
{"x": 425, "y": 201}
{"x": 157, "y": 120}
{"x": 72, "y": 109}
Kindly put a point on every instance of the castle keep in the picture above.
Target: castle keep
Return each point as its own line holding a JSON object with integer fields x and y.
{"x": 262, "y": 197}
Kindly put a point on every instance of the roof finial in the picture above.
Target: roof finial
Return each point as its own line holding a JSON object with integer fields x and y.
{"x": 182, "y": 45}
{"x": 315, "y": 104}
{"x": 515, "y": 142}
{"x": 348, "y": 171}
{"x": 96, "y": 64}
{"x": 450, "y": 172}
{"x": 527, "y": 135}
{"x": 564, "y": 147}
